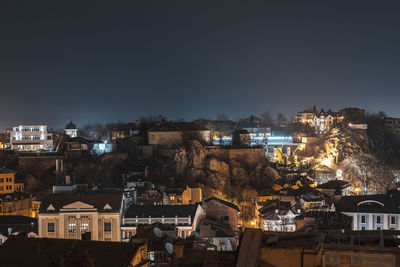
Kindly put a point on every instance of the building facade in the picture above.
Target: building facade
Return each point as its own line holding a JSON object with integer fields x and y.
{"x": 184, "y": 218}
{"x": 71, "y": 130}
{"x": 371, "y": 212}
{"x": 71, "y": 216}
{"x": 31, "y": 138}
{"x": 19, "y": 203}
{"x": 170, "y": 133}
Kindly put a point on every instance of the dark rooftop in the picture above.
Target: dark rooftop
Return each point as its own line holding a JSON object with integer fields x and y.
{"x": 32, "y": 252}
{"x": 229, "y": 204}
{"x": 178, "y": 127}
{"x": 368, "y": 203}
{"x": 4, "y": 170}
{"x": 70, "y": 126}
{"x": 98, "y": 200}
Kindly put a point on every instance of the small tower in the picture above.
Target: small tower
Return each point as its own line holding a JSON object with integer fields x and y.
{"x": 71, "y": 130}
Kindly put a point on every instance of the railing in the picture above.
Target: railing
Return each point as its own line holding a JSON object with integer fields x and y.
{"x": 150, "y": 220}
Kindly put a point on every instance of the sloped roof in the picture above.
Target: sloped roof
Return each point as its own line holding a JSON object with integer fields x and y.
{"x": 70, "y": 126}
{"x": 229, "y": 204}
{"x": 157, "y": 211}
{"x": 178, "y": 127}
{"x": 44, "y": 251}
{"x": 334, "y": 184}
{"x": 368, "y": 204}
{"x": 4, "y": 170}
{"x": 98, "y": 200}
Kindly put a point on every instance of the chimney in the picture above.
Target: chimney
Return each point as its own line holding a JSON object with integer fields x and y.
{"x": 9, "y": 230}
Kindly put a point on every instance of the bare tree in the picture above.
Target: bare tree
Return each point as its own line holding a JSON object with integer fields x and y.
{"x": 280, "y": 118}
{"x": 368, "y": 172}
{"x": 266, "y": 117}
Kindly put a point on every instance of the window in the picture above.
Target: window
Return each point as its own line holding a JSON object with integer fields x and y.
{"x": 378, "y": 228}
{"x": 107, "y": 227}
{"x": 130, "y": 234}
{"x": 362, "y": 218}
{"x": 363, "y": 228}
{"x": 50, "y": 227}
{"x": 1, "y": 180}
{"x": 224, "y": 218}
{"x": 72, "y": 227}
{"x": 378, "y": 219}
{"x": 85, "y": 227}
{"x": 393, "y": 219}
{"x": 153, "y": 137}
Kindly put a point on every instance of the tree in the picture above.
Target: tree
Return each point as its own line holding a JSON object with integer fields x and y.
{"x": 266, "y": 117}
{"x": 280, "y": 118}
{"x": 368, "y": 172}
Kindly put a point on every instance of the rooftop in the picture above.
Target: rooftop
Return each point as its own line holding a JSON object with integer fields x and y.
{"x": 368, "y": 204}
{"x": 98, "y": 200}
{"x": 49, "y": 252}
{"x": 178, "y": 127}
{"x": 229, "y": 204}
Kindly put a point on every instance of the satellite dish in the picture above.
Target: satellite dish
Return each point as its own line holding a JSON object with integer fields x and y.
{"x": 169, "y": 247}
{"x": 158, "y": 232}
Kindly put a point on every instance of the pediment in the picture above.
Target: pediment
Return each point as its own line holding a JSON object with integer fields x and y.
{"x": 51, "y": 208}
{"x": 78, "y": 205}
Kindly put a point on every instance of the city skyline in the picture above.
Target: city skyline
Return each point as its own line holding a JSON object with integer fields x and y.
{"x": 92, "y": 62}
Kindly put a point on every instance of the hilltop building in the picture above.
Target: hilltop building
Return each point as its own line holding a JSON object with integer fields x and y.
{"x": 31, "y": 138}
{"x": 71, "y": 130}
{"x": 175, "y": 133}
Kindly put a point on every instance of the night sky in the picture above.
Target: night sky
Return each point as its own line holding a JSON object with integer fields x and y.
{"x": 105, "y": 61}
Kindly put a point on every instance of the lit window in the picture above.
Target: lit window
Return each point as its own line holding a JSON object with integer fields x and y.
{"x": 72, "y": 227}
{"x": 85, "y": 227}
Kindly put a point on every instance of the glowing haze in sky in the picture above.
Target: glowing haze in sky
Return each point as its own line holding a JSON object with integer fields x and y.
{"x": 119, "y": 60}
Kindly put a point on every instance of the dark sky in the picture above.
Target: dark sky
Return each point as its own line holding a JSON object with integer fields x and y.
{"x": 112, "y": 60}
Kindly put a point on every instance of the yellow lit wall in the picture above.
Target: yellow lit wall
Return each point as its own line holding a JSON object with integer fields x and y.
{"x": 7, "y": 182}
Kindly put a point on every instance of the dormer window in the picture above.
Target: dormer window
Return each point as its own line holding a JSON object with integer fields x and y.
{"x": 51, "y": 208}
{"x": 107, "y": 207}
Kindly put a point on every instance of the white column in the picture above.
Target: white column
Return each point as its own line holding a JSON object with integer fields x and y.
{"x": 370, "y": 222}
{"x": 355, "y": 222}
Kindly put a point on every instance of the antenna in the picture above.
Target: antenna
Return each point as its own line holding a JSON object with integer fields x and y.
{"x": 169, "y": 247}
{"x": 158, "y": 232}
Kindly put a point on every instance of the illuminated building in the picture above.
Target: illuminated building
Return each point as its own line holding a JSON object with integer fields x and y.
{"x": 306, "y": 117}
{"x": 31, "y": 138}
{"x": 7, "y": 181}
{"x": 70, "y": 216}
{"x": 71, "y": 130}
{"x": 175, "y": 133}
{"x": 19, "y": 203}
{"x": 371, "y": 212}
{"x": 183, "y": 217}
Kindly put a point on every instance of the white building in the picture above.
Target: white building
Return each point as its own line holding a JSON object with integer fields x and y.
{"x": 31, "y": 138}
{"x": 71, "y": 130}
{"x": 371, "y": 212}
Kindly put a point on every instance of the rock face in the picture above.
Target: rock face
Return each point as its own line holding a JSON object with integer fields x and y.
{"x": 334, "y": 147}
{"x": 217, "y": 170}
